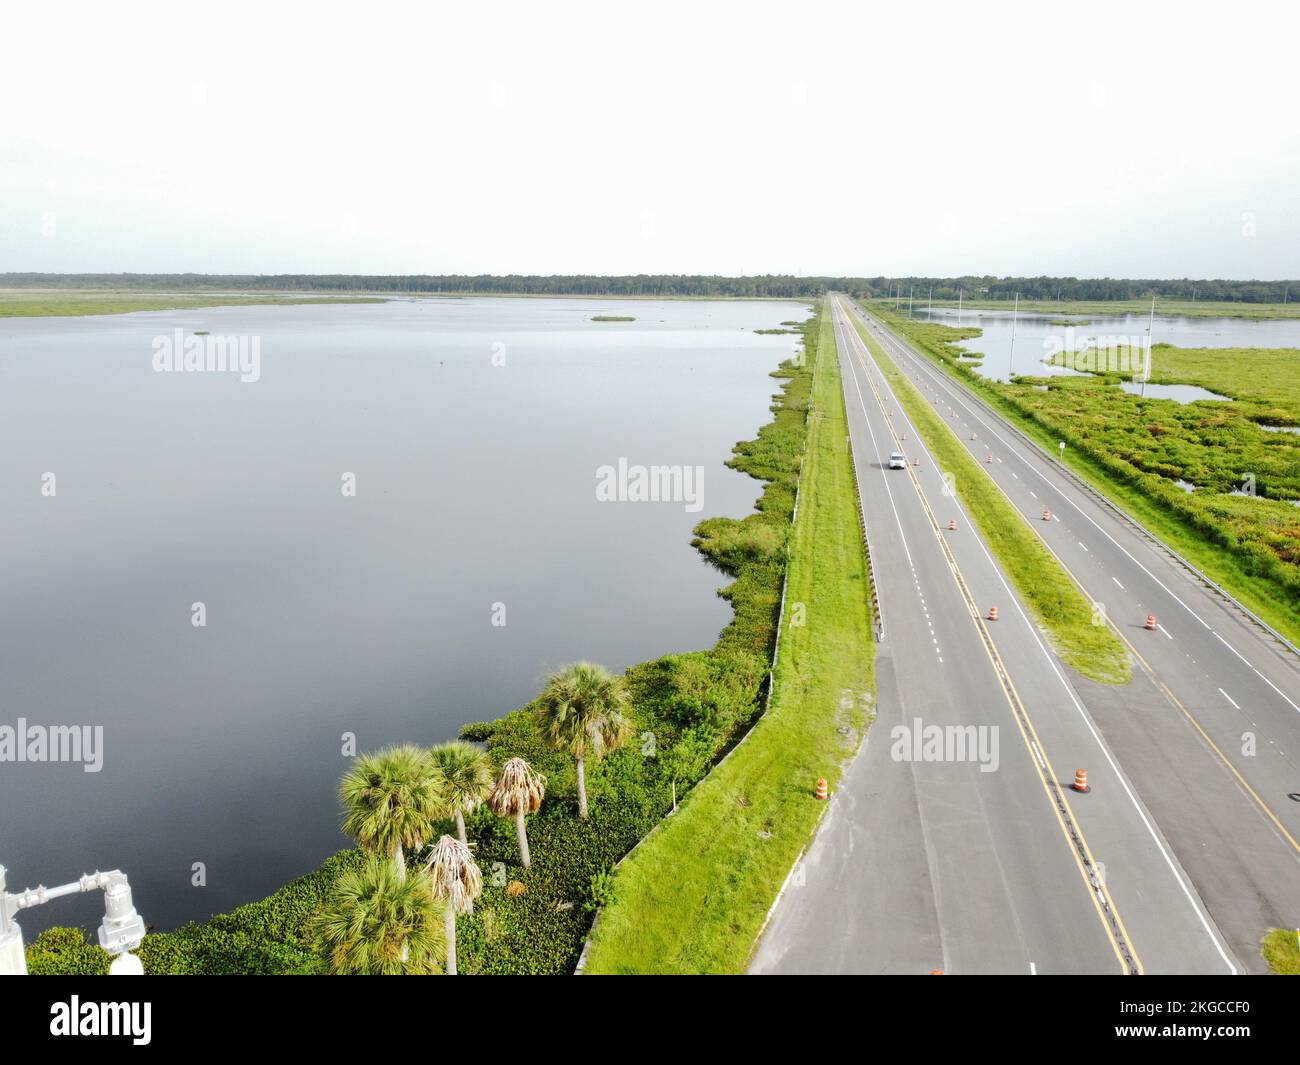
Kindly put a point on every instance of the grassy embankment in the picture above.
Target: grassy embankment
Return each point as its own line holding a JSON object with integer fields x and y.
{"x": 48, "y": 303}
{"x": 693, "y": 896}
{"x": 1282, "y": 952}
{"x": 1052, "y": 598}
{"x": 1103, "y": 308}
{"x": 688, "y": 710}
{"x": 1134, "y": 450}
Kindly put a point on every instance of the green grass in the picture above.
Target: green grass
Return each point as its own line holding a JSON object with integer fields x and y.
{"x": 48, "y": 303}
{"x": 1166, "y": 307}
{"x": 693, "y": 896}
{"x": 1266, "y": 377}
{"x": 1053, "y": 599}
{"x": 1234, "y": 540}
{"x": 1281, "y": 952}
{"x": 693, "y": 704}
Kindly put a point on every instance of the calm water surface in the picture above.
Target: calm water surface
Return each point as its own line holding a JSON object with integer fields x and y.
{"x": 327, "y": 614}
{"x": 1033, "y": 331}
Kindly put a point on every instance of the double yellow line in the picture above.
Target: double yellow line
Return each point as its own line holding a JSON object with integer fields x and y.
{"x": 1102, "y": 902}
{"x": 1174, "y": 701}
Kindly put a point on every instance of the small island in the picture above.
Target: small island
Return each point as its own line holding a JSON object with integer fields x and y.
{"x": 612, "y": 318}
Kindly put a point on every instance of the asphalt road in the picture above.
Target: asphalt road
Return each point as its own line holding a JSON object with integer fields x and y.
{"x": 952, "y": 860}
{"x": 1210, "y": 727}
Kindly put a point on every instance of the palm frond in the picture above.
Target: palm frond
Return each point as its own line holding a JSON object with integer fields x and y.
{"x": 456, "y": 877}
{"x": 518, "y": 788}
{"x": 375, "y": 923}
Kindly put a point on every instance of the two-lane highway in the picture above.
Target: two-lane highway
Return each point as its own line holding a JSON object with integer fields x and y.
{"x": 974, "y": 859}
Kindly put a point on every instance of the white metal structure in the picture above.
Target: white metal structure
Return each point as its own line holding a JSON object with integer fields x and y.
{"x": 119, "y": 933}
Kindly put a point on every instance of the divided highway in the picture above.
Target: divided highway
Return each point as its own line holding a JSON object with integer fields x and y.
{"x": 1209, "y": 729}
{"x": 975, "y": 859}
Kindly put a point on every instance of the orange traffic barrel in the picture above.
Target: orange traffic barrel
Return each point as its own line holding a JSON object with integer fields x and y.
{"x": 823, "y": 792}
{"x": 952, "y": 524}
{"x": 1047, "y": 515}
{"x": 972, "y": 436}
{"x": 1151, "y": 622}
{"x": 993, "y": 613}
{"x": 1081, "y": 780}
{"x": 989, "y": 460}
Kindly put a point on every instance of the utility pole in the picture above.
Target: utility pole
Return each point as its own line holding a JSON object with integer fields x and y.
{"x": 909, "y": 300}
{"x": 1011, "y": 359}
{"x": 958, "y": 306}
{"x": 929, "y": 303}
{"x": 1146, "y": 370}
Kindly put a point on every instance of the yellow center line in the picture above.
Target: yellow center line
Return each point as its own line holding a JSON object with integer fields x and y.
{"x": 1102, "y": 902}
{"x": 1164, "y": 688}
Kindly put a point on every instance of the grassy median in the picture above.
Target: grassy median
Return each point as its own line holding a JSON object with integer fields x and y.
{"x": 1246, "y": 545}
{"x": 693, "y": 897}
{"x": 1281, "y": 949}
{"x": 1052, "y": 598}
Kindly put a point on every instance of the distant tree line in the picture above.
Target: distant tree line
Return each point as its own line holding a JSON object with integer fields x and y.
{"x": 766, "y": 285}
{"x": 1085, "y": 288}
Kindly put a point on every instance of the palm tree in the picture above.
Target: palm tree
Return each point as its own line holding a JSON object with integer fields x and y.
{"x": 466, "y": 771}
{"x": 584, "y": 710}
{"x": 378, "y": 923}
{"x": 457, "y": 881}
{"x": 516, "y": 792}
{"x": 390, "y": 801}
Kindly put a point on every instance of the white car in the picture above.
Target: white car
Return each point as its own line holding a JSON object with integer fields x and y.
{"x": 896, "y": 461}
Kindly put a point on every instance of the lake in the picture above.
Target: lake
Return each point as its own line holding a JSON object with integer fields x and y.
{"x": 396, "y": 478}
{"x": 1034, "y": 332}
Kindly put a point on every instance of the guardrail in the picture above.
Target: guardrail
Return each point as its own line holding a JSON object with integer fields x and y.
{"x": 1094, "y": 492}
{"x": 767, "y": 697}
{"x": 873, "y": 598}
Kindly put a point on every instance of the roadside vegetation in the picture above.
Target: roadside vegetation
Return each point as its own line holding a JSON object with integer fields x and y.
{"x": 693, "y": 897}
{"x": 49, "y": 303}
{"x": 1052, "y": 598}
{"x": 612, "y": 318}
{"x": 547, "y": 798}
{"x": 1174, "y": 308}
{"x": 1282, "y": 952}
{"x": 1136, "y": 451}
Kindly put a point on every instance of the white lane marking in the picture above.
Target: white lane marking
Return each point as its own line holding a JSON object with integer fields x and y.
{"x": 1274, "y": 687}
{"x": 1033, "y": 969}
{"x": 931, "y": 373}
{"x": 1237, "y": 653}
{"x": 1033, "y": 493}
{"x": 1082, "y": 544}
{"x": 1116, "y": 580}
{"x": 1229, "y": 698}
{"x": 1101, "y": 744}
{"x": 1038, "y": 755}
{"x": 888, "y": 491}
{"x": 1165, "y": 631}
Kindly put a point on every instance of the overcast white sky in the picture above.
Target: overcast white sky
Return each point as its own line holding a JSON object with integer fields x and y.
{"x": 1092, "y": 139}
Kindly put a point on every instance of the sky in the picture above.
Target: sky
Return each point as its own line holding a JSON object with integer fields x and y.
{"x": 1121, "y": 140}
